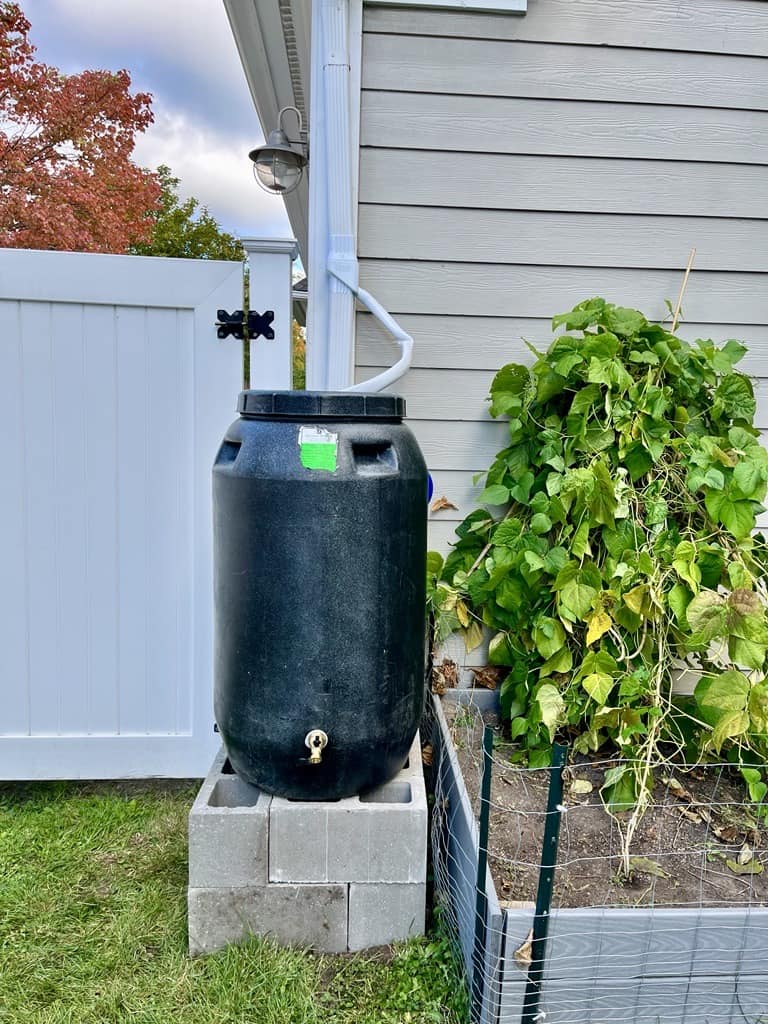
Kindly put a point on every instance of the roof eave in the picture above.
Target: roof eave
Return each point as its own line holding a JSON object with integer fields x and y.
{"x": 272, "y": 38}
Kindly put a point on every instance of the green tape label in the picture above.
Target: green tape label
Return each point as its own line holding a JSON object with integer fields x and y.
{"x": 318, "y": 448}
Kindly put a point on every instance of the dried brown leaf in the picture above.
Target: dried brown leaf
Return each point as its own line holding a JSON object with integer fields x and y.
{"x": 442, "y": 504}
{"x": 690, "y": 815}
{"x": 445, "y": 676}
{"x": 727, "y": 834}
{"x": 487, "y": 677}
{"x": 523, "y": 952}
{"x": 678, "y": 789}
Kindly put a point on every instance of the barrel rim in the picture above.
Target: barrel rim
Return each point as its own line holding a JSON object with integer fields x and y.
{"x": 317, "y": 405}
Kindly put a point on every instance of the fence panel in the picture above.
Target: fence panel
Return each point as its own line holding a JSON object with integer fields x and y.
{"x": 114, "y": 394}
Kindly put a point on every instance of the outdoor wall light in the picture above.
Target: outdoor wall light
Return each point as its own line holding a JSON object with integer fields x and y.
{"x": 279, "y": 165}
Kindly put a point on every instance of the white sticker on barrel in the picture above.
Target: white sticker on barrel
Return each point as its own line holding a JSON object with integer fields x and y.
{"x": 318, "y": 448}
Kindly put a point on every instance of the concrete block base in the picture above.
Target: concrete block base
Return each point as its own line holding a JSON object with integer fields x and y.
{"x": 330, "y": 876}
{"x": 312, "y": 916}
{"x": 385, "y": 912}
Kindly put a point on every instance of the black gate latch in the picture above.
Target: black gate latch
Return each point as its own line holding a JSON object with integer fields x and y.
{"x": 258, "y": 324}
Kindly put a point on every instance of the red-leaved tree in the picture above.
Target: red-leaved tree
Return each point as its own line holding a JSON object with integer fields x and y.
{"x": 66, "y": 176}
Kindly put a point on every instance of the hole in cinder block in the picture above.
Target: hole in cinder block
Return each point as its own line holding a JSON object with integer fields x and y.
{"x": 227, "y": 769}
{"x": 299, "y": 800}
{"x": 233, "y": 792}
{"x": 390, "y": 793}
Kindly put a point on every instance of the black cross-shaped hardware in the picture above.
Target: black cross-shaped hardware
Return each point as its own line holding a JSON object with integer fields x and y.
{"x": 259, "y": 324}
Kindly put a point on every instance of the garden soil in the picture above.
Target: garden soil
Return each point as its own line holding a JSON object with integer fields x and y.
{"x": 698, "y": 844}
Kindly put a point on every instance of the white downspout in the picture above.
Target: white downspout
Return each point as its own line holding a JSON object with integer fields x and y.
{"x": 342, "y": 265}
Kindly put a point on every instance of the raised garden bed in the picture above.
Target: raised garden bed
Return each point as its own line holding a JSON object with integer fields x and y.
{"x": 684, "y": 939}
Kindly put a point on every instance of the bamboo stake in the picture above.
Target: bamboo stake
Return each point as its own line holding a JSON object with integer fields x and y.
{"x": 679, "y": 305}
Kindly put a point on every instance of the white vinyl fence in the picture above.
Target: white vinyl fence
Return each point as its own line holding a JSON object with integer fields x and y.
{"x": 114, "y": 394}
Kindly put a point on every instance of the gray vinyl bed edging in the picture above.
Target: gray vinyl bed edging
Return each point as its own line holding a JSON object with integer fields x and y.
{"x": 612, "y": 965}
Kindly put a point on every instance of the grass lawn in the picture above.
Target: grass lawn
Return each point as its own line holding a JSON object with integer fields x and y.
{"x": 93, "y": 929}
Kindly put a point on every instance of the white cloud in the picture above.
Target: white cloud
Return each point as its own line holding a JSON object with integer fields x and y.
{"x": 194, "y": 33}
{"x": 215, "y": 169}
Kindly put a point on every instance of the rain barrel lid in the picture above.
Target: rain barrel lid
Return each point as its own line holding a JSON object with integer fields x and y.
{"x": 327, "y": 405}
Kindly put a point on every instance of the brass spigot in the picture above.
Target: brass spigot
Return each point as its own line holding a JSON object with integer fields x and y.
{"x": 316, "y": 740}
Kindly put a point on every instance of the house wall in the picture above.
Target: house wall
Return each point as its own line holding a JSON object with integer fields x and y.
{"x": 511, "y": 166}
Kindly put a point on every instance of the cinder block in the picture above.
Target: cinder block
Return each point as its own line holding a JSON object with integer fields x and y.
{"x": 381, "y": 913}
{"x": 380, "y": 836}
{"x": 228, "y": 829}
{"x": 310, "y": 916}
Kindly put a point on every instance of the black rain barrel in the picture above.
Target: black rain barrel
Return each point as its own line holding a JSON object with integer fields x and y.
{"x": 319, "y": 515}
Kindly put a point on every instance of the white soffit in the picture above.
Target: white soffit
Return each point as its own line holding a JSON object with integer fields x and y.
{"x": 273, "y": 38}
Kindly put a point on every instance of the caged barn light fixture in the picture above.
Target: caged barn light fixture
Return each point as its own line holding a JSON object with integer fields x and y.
{"x": 278, "y": 165}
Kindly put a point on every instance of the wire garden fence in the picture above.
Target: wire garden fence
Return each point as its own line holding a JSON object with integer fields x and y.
{"x": 558, "y": 921}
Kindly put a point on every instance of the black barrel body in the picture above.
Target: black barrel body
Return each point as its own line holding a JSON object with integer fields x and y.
{"x": 319, "y": 507}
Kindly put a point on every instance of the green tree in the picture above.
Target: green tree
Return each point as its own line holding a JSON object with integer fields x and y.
{"x": 186, "y": 229}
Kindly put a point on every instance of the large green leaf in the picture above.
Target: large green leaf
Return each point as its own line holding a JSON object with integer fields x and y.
{"x": 685, "y": 566}
{"x": 743, "y": 438}
{"x": 626, "y": 322}
{"x": 555, "y": 559}
{"x": 548, "y": 385}
{"x": 717, "y": 695}
{"x": 575, "y": 594}
{"x": 540, "y": 523}
{"x": 560, "y": 662}
{"x": 522, "y": 489}
{"x": 513, "y": 381}
{"x": 638, "y": 460}
{"x": 496, "y": 494}
{"x": 548, "y": 636}
{"x": 679, "y": 598}
{"x": 508, "y": 531}
{"x": 509, "y": 593}
{"x": 734, "y": 396}
{"x": 749, "y": 477}
{"x": 728, "y": 726}
{"x": 580, "y": 540}
{"x": 734, "y": 352}
{"x": 736, "y": 516}
{"x": 610, "y": 372}
{"x": 584, "y": 399}
{"x": 434, "y": 563}
{"x": 758, "y": 708}
{"x": 551, "y": 707}
{"x": 500, "y": 650}
{"x": 600, "y": 345}
{"x": 708, "y": 615}
{"x": 746, "y": 653}
{"x": 619, "y": 789}
{"x": 584, "y": 315}
{"x": 474, "y": 523}
{"x": 602, "y": 502}
{"x": 567, "y": 362}
{"x": 598, "y": 686}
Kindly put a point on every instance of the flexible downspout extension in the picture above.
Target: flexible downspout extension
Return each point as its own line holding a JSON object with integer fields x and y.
{"x": 342, "y": 262}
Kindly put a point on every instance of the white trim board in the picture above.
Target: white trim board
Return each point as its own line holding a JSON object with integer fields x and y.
{"x": 482, "y": 6}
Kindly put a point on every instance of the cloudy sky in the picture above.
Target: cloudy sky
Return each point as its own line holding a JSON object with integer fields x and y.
{"x": 182, "y": 51}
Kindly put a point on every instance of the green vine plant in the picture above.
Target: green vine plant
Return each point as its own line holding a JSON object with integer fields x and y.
{"x": 615, "y": 546}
